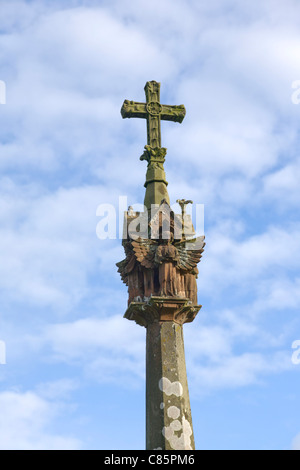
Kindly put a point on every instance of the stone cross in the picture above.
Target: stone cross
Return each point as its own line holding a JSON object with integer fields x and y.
{"x": 153, "y": 111}
{"x": 162, "y": 289}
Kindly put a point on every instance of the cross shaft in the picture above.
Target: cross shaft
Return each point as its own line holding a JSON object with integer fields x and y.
{"x": 153, "y": 111}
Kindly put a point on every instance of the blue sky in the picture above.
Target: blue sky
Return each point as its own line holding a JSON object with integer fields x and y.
{"x": 74, "y": 372}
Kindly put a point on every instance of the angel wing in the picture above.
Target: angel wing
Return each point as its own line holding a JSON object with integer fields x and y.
{"x": 126, "y": 265}
{"x": 122, "y": 270}
{"x": 190, "y": 253}
{"x": 144, "y": 250}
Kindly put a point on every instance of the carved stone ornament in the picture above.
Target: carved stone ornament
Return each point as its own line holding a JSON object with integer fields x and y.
{"x": 162, "y": 264}
{"x": 159, "y": 309}
{"x": 160, "y": 270}
{"x": 153, "y": 111}
{"x": 161, "y": 267}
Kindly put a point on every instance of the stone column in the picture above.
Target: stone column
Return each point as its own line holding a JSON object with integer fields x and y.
{"x": 168, "y": 411}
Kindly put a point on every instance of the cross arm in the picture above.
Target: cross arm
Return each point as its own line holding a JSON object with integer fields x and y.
{"x": 133, "y": 109}
{"x": 173, "y": 113}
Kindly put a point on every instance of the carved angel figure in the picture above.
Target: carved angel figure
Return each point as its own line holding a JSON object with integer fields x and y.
{"x": 130, "y": 273}
{"x": 164, "y": 268}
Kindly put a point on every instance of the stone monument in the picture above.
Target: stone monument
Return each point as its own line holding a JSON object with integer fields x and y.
{"x": 160, "y": 271}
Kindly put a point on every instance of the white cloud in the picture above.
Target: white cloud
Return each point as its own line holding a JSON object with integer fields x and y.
{"x": 108, "y": 349}
{"x": 282, "y": 185}
{"x": 60, "y": 389}
{"x": 49, "y": 243}
{"x": 278, "y": 294}
{"x": 26, "y": 421}
{"x": 231, "y": 350}
{"x": 237, "y": 371}
{"x": 296, "y": 442}
{"x": 248, "y": 261}
{"x": 217, "y": 142}
{"x": 58, "y": 117}
{"x": 66, "y": 149}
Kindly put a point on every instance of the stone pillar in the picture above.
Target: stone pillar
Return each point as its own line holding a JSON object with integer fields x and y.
{"x": 168, "y": 411}
{"x": 156, "y": 184}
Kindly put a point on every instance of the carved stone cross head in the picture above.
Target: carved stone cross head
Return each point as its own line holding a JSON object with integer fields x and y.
{"x": 153, "y": 111}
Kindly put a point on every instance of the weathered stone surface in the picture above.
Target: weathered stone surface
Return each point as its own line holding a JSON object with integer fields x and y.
{"x": 161, "y": 267}
{"x": 162, "y": 309}
{"x": 160, "y": 270}
{"x": 154, "y": 112}
{"x": 168, "y": 412}
{"x": 156, "y": 184}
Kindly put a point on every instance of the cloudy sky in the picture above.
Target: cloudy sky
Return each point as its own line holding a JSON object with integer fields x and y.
{"x": 74, "y": 372}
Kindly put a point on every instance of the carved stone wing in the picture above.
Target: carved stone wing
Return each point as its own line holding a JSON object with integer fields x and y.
{"x": 126, "y": 265}
{"x": 190, "y": 253}
{"x": 122, "y": 270}
{"x": 144, "y": 250}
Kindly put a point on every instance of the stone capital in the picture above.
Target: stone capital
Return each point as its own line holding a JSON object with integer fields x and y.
{"x": 154, "y": 155}
{"x": 162, "y": 309}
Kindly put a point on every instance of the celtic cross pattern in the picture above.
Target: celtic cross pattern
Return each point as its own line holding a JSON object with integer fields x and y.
{"x": 154, "y": 112}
